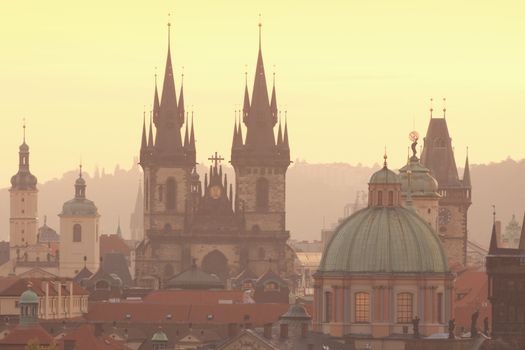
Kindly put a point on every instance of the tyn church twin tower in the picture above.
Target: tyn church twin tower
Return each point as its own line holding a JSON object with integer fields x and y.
{"x": 221, "y": 231}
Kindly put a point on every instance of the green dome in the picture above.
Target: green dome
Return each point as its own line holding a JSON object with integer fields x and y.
{"x": 422, "y": 184}
{"x": 79, "y": 207}
{"x": 159, "y": 336}
{"x": 384, "y": 176}
{"x": 384, "y": 240}
{"x": 28, "y": 297}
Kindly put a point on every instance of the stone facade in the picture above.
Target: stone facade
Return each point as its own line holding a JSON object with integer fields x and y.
{"x": 222, "y": 228}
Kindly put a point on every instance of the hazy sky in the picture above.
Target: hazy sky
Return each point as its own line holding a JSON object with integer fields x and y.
{"x": 354, "y": 75}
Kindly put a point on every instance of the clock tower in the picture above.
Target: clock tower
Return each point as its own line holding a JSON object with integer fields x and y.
{"x": 438, "y": 156}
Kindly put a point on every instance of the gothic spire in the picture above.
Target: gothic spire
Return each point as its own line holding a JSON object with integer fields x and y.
{"x": 279, "y": 133}
{"x": 286, "y": 145}
{"x": 235, "y": 133}
{"x": 192, "y": 134}
{"x": 156, "y": 103}
{"x": 273, "y": 103}
{"x": 493, "y": 248}
{"x": 181, "y": 100}
{"x": 246, "y": 106}
{"x": 144, "y": 142}
{"x": 150, "y": 138}
{"x": 239, "y": 131}
{"x": 186, "y": 135}
{"x": 466, "y": 173}
{"x": 23, "y": 179}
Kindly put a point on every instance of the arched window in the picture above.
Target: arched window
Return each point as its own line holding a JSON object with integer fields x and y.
{"x": 168, "y": 270}
{"x": 404, "y": 307}
{"x": 362, "y": 307}
{"x": 262, "y": 253}
{"x": 328, "y": 306}
{"x": 390, "y": 198}
{"x": 262, "y": 190}
{"x": 102, "y": 285}
{"x": 380, "y": 198}
{"x": 171, "y": 193}
{"x": 77, "y": 233}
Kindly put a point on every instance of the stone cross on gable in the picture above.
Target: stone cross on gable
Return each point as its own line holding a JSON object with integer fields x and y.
{"x": 216, "y": 159}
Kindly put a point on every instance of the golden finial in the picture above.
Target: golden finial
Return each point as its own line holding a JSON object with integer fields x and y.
{"x": 260, "y": 25}
{"x": 169, "y": 27}
{"x": 80, "y": 168}
{"x": 431, "y": 107}
{"x": 385, "y": 157}
{"x": 493, "y": 214}
{"x": 444, "y": 107}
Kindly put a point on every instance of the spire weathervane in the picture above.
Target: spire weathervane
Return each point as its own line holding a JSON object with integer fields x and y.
{"x": 385, "y": 157}
{"x": 494, "y": 214}
{"x": 169, "y": 28}
{"x": 444, "y": 107}
{"x": 260, "y": 25}
{"x": 80, "y": 168}
{"x": 431, "y": 107}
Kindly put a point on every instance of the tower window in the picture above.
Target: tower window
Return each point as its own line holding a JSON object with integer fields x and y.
{"x": 77, "y": 233}
{"x": 328, "y": 306}
{"x": 380, "y": 198}
{"x": 362, "y": 307}
{"x": 404, "y": 307}
{"x": 161, "y": 193}
{"x": 390, "y": 198}
{"x": 262, "y": 193}
{"x": 171, "y": 193}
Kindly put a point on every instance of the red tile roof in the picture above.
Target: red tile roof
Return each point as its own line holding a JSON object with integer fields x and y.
{"x": 256, "y": 314}
{"x": 194, "y": 297}
{"x": 20, "y": 335}
{"x": 472, "y": 289}
{"x": 85, "y": 339}
{"x": 15, "y": 286}
{"x": 113, "y": 244}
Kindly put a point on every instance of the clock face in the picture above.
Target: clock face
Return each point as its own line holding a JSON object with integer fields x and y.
{"x": 215, "y": 192}
{"x": 444, "y": 216}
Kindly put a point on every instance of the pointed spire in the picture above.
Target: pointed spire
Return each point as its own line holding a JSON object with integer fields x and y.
{"x": 279, "y": 133}
{"x": 181, "y": 99}
{"x": 186, "y": 135}
{"x": 466, "y": 173}
{"x": 192, "y": 134}
{"x": 246, "y": 105}
{"x": 151, "y": 142}
{"x": 235, "y": 133}
{"x": 286, "y": 145}
{"x": 239, "y": 132}
{"x": 144, "y": 142}
{"x": 493, "y": 248}
{"x": 119, "y": 230}
{"x": 522, "y": 237}
{"x": 156, "y": 103}
{"x": 273, "y": 103}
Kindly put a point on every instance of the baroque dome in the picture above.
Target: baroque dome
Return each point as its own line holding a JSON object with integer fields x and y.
{"x": 79, "y": 207}
{"x": 384, "y": 240}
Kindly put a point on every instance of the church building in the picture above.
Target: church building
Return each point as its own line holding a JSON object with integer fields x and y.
{"x": 223, "y": 227}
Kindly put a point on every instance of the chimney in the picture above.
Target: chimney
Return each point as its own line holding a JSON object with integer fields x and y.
{"x": 232, "y": 329}
{"x": 284, "y": 330}
{"x": 268, "y": 330}
{"x": 69, "y": 344}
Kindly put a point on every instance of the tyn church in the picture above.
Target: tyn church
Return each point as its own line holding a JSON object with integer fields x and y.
{"x": 224, "y": 229}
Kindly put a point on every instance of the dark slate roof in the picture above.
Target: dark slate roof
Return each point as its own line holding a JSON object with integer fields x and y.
{"x": 195, "y": 278}
{"x": 269, "y": 275}
{"x": 116, "y": 263}
{"x": 83, "y": 274}
{"x": 47, "y": 234}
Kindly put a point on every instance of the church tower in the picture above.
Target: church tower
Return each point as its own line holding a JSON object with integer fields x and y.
{"x": 260, "y": 161}
{"x": 79, "y": 235}
{"x": 438, "y": 156}
{"x": 23, "y": 220}
{"x": 167, "y": 162}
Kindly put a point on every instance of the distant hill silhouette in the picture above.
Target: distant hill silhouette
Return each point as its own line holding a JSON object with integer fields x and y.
{"x": 316, "y": 196}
